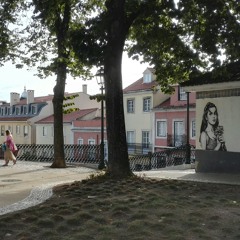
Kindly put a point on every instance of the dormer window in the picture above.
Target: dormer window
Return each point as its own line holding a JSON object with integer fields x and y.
{"x": 18, "y": 112}
{"x": 182, "y": 96}
{"x": 25, "y": 110}
{"x": 3, "y": 111}
{"x": 34, "y": 109}
{"x": 147, "y": 77}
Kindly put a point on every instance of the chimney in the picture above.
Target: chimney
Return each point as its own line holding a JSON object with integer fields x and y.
{"x": 14, "y": 98}
{"x": 30, "y": 96}
{"x": 84, "y": 88}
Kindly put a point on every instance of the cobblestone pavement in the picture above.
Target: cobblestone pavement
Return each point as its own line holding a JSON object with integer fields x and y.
{"x": 27, "y": 184}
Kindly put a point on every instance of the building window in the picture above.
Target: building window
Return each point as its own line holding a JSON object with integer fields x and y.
{"x": 147, "y": 104}
{"x": 44, "y": 131}
{"x": 10, "y": 129}
{"x": 147, "y": 77}
{"x": 162, "y": 129}
{"x": 18, "y": 111}
{"x": 25, "y": 130}
{"x": 3, "y": 111}
{"x": 25, "y": 110}
{"x": 52, "y": 130}
{"x": 91, "y": 141}
{"x": 193, "y": 129}
{"x": 18, "y": 129}
{"x": 130, "y": 105}
{"x": 34, "y": 109}
{"x": 2, "y": 130}
{"x": 130, "y": 137}
{"x": 145, "y": 139}
{"x": 179, "y": 136}
{"x": 182, "y": 96}
{"x": 80, "y": 141}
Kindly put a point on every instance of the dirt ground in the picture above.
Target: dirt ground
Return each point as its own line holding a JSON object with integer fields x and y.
{"x": 135, "y": 208}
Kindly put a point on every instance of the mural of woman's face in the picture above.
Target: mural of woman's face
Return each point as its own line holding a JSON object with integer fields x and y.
{"x": 212, "y": 116}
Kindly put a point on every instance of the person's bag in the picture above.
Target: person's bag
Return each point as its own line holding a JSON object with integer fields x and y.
{"x": 4, "y": 147}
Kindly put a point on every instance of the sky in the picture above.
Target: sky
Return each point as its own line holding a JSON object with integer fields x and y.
{"x": 14, "y": 80}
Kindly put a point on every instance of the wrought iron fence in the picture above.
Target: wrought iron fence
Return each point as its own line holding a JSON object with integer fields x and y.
{"x": 139, "y": 148}
{"x": 176, "y": 140}
{"x": 90, "y": 154}
{"x": 45, "y": 153}
{"x": 161, "y": 159}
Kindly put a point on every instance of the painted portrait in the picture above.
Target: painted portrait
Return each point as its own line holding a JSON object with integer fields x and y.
{"x": 211, "y": 133}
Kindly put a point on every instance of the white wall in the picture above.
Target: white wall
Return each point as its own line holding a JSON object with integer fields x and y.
{"x": 229, "y": 117}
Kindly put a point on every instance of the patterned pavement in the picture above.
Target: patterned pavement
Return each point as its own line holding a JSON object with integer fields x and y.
{"x": 27, "y": 184}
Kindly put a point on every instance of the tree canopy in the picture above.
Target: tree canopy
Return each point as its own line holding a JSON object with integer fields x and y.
{"x": 178, "y": 38}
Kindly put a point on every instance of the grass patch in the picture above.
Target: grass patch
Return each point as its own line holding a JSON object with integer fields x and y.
{"x": 135, "y": 208}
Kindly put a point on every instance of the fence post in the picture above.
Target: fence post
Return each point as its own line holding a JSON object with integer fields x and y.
{"x": 150, "y": 160}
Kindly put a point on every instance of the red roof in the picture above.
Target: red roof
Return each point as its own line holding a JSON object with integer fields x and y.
{"x": 68, "y": 118}
{"x": 14, "y": 119}
{"x": 89, "y": 123}
{"x": 166, "y": 105}
{"x": 139, "y": 85}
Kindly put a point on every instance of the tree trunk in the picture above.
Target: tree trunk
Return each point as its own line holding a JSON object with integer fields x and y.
{"x": 117, "y": 144}
{"x": 61, "y": 26}
{"x": 59, "y": 89}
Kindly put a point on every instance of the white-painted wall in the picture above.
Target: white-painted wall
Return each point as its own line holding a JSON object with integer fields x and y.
{"x": 229, "y": 117}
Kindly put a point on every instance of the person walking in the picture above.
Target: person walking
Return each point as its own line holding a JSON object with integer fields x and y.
{"x": 10, "y": 149}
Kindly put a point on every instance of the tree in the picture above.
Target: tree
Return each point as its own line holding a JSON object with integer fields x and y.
{"x": 9, "y": 42}
{"x": 46, "y": 45}
{"x": 177, "y": 37}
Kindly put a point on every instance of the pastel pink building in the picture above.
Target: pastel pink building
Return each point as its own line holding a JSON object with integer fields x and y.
{"x": 170, "y": 120}
{"x": 88, "y": 131}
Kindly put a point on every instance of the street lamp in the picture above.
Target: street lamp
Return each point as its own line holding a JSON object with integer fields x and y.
{"x": 188, "y": 147}
{"x": 100, "y": 81}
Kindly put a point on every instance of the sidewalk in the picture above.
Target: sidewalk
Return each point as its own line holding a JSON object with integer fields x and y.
{"x": 191, "y": 175}
{"x": 30, "y": 183}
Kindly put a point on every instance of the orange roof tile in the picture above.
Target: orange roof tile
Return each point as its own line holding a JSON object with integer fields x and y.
{"x": 68, "y": 118}
{"x": 14, "y": 119}
{"x": 140, "y": 86}
{"x": 89, "y": 123}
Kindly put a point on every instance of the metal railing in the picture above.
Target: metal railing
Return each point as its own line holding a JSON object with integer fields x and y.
{"x": 90, "y": 154}
{"x": 45, "y": 153}
{"x": 139, "y": 148}
{"x": 161, "y": 159}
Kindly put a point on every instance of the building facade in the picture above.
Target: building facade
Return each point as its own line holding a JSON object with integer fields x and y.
{"x": 217, "y": 119}
{"x": 139, "y": 100}
{"x": 155, "y": 120}
{"x": 21, "y": 114}
{"x": 170, "y": 120}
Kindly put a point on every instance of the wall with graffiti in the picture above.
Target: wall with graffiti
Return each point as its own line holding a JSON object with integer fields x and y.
{"x": 218, "y": 123}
